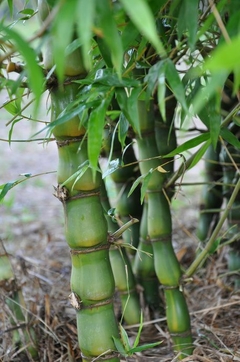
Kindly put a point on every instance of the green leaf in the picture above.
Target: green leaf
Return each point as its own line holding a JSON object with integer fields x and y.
{"x": 62, "y": 33}
{"x": 224, "y": 57}
{"x": 143, "y": 18}
{"x": 96, "y": 124}
{"x": 136, "y": 342}
{"x": 213, "y": 86}
{"x": 145, "y": 183}
{"x": 34, "y": 72}
{"x": 119, "y": 346}
{"x": 110, "y": 33}
{"x": 112, "y": 167}
{"x": 188, "y": 20}
{"x": 86, "y": 13}
{"x": 123, "y": 128}
{"x": 78, "y": 174}
{"x": 211, "y": 117}
{"x": 144, "y": 347}
{"x": 199, "y": 154}
{"x": 5, "y": 188}
{"x": 230, "y": 137}
{"x": 128, "y": 105}
{"x": 135, "y": 184}
{"x": 124, "y": 338}
{"x": 175, "y": 83}
{"x": 161, "y": 94}
{"x": 189, "y": 144}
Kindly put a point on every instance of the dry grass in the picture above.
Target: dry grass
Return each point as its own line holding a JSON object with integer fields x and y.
{"x": 42, "y": 268}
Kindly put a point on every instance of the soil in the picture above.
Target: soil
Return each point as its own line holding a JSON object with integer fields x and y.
{"x": 32, "y": 232}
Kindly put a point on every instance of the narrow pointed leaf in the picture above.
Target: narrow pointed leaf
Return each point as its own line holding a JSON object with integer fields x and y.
{"x": 230, "y": 138}
{"x": 128, "y": 105}
{"x": 112, "y": 167}
{"x": 119, "y": 346}
{"x": 142, "y": 16}
{"x": 161, "y": 94}
{"x": 86, "y": 12}
{"x": 189, "y": 144}
{"x": 124, "y": 338}
{"x": 224, "y": 57}
{"x": 188, "y": 20}
{"x": 200, "y": 153}
{"x": 62, "y": 32}
{"x": 175, "y": 83}
{"x": 34, "y": 72}
{"x": 144, "y": 347}
{"x": 96, "y": 124}
{"x": 110, "y": 33}
{"x": 136, "y": 342}
{"x": 145, "y": 184}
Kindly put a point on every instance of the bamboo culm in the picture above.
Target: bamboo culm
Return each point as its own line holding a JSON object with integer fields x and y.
{"x": 166, "y": 264}
{"x": 86, "y": 231}
{"x": 122, "y": 270}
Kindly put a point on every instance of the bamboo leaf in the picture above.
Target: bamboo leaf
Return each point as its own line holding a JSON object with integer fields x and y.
{"x": 188, "y": 20}
{"x": 224, "y": 57}
{"x": 161, "y": 94}
{"x": 78, "y": 174}
{"x": 135, "y": 184}
{"x": 142, "y": 16}
{"x": 86, "y": 12}
{"x": 34, "y": 72}
{"x": 199, "y": 154}
{"x": 230, "y": 137}
{"x": 145, "y": 182}
{"x": 213, "y": 86}
{"x": 112, "y": 167}
{"x": 119, "y": 346}
{"x": 128, "y": 105}
{"x": 175, "y": 83}
{"x": 144, "y": 347}
{"x": 62, "y": 32}
{"x": 211, "y": 117}
{"x": 189, "y": 144}
{"x": 5, "y": 188}
{"x": 110, "y": 33}
{"x": 123, "y": 128}
{"x": 109, "y": 78}
{"x": 96, "y": 124}
{"x": 124, "y": 338}
{"x": 136, "y": 342}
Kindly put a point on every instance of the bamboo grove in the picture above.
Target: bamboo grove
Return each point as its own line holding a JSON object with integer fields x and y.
{"x": 123, "y": 77}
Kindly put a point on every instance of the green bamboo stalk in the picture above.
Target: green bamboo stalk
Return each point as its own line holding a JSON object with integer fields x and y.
{"x": 160, "y": 233}
{"x": 123, "y": 178}
{"x": 86, "y": 232}
{"x": 15, "y": 301}
{"x": 230, "y": 157}
{"x": 122, "y": 270}
{"x": 211, "y": 197}
{"x": 144, "y": 267}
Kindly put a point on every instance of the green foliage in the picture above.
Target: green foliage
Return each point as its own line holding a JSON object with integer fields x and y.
{"x": 123, "y": 344}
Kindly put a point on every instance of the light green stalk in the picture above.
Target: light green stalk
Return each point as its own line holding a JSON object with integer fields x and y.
{"x": 122, "y": 271}
{"x": 160, "y": 233}
{"x": 86, "y": 232}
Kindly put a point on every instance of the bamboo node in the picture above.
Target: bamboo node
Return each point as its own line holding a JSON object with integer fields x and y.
{"x": 91, "y": 249}
{"x": 75, "y": 301}
{"x": 62, "y": 143}
{"x": 61, "y": 193}
{"x": 163, "y": 238}
{"x": 103, "y": 357}
{"x": 181, "y": 334}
